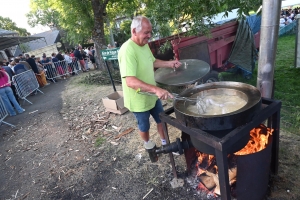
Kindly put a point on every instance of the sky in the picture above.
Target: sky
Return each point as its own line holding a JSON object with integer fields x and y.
{"x": 16, "y": 10}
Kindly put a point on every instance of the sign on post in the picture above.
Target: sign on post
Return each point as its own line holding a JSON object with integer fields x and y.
{"x": 110, "y": 54}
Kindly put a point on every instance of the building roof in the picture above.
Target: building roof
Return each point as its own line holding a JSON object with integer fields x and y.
{"x": 50, "y": 37}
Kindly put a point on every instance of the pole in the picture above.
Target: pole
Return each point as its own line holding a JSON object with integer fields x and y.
{"x": 297, "y": 57}
{"x": 268, "y": 46}
{"x": 111, "y": 79}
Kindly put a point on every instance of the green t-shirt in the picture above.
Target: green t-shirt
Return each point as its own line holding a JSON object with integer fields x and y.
{"x": 137, "y": 61}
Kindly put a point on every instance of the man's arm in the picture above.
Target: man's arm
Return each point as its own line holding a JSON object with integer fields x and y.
{"x": 137, "y": 84}
{"x": 165, "y": 64}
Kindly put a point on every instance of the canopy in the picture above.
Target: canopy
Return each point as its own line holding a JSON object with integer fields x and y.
{"x": 6, "y": 42}
{"x": 11, "y": 38}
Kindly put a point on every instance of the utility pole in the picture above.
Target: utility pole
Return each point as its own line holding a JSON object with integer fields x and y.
{"x": 268, "y": 46}
{"x": 297, "y": 49}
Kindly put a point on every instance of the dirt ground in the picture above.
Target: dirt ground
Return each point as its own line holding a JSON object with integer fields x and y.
{"x": 64, "y": 147}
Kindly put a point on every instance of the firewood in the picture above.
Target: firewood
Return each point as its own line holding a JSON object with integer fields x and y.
{"x": 208, "y": 181}
{"x": 124, "y": 133}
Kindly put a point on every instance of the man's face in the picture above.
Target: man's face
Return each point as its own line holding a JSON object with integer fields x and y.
{"x": 143, "y": 35}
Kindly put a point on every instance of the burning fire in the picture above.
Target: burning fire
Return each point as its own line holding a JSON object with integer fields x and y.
{"x": 259, "y": 137}
{"x": 207, "y": 166}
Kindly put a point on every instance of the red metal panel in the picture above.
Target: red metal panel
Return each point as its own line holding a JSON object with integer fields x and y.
{"x": 220, "y": 43}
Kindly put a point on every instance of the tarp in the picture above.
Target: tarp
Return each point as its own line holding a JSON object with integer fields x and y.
{"x": 243, "y": 52}
{"x": 254, "y": 21}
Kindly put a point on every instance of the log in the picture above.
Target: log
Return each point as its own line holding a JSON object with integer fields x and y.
{"x": 207, "y": 181}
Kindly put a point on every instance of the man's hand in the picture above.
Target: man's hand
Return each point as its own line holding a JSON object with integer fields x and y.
{"x": 163, "y": 94}
{"x": 175, "y": 64}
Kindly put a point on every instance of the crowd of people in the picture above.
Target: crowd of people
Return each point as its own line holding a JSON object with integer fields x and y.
{"x": 287, "y": 16}
{"x": 42, "y": 70}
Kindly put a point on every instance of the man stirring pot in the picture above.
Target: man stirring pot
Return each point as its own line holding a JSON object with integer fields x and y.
{"x": 137, "y": 65}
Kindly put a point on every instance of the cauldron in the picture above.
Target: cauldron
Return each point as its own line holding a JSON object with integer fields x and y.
{"x": 219, "y": 125}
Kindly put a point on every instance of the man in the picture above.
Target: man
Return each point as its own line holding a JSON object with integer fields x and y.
{"x": 137, "y": 72}
{"x": 21, "y": 57}
{"x": 46, "y": 62}
{"x": 32, "y": 64}
{"x": 78, "y": 55}
{"x": 59, "y": 56}
{"x": 19, "y": 68}
{"x": 41, "y": 78}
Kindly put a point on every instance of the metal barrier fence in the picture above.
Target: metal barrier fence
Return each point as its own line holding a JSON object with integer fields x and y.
{"x": 62, "y": 69}
{"x": 3, "y": 113}
{"x": 26, "y": 83}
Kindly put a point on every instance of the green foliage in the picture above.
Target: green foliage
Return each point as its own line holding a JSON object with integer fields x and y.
{"x": 75, "y": 17}
{"x": 124, "y": 33}
{"x": 42, "y": 13}
{"x": 197, "y": 13}
{"x": 7, "y": 24}
{"x": 167, "y": 16}
{"x": 99, "y": 141}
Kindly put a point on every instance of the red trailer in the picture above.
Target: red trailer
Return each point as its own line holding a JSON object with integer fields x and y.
{"x": 214, "y": 49}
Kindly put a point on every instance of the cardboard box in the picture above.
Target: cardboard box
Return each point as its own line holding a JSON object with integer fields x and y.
{"x": 114, "y": 103}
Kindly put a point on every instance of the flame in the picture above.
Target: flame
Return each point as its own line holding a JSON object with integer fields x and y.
{"x": 206, "y": 164}
{"x": 258, "y": 140}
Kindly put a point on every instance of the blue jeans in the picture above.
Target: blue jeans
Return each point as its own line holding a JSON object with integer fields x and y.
{"x": 143, "y": 117}
{"x": 7, "y": 96}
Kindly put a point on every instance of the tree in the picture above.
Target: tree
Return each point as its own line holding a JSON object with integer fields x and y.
{"x": 85, "y": 19}
{"x": 41, "y": 13}
{"x": 7, "y": 24}
{"x": 197, "y": 13}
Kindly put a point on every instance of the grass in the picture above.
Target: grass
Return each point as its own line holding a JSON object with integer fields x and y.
{"x": 287, "y": 84}
{"x": 99, "y": 141}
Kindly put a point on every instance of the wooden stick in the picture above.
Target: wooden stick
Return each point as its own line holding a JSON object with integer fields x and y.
{"x": 124, "y": 133}
{"x": 148, "y": 193}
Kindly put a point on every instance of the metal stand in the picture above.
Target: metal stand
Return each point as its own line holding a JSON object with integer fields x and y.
{"x": 111, "y": 79}
{"x": 270, "y": 111}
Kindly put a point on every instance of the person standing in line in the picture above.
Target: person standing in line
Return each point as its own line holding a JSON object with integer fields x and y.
{"x": 59, "y": 56}
{"x": 7, "y": 95}
{"x": 137, "y": 65}
{"x": 19, "y": 68}
{"x": 11, "y": 73}
{"x": 85, "y": 58}
{"x": 69, "y": 63}
{"x": 78, "y": 55}
{"x": 32, "y": 63}
{"x": 91, "y": 54}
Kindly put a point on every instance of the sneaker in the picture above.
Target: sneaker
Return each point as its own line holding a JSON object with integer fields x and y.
{"x": 23, "y": 110}
{"x": 176, "y": 153}
{"x": 47, "y": 84}
{"x": 149, "y": 145}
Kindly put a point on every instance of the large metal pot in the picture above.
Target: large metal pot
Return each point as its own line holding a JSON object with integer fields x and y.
{"x": 219, "y": 125}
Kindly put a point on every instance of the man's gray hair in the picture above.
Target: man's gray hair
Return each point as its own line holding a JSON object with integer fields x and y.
{"x": 137, "y": 23}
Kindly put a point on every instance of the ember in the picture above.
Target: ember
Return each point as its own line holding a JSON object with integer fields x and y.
{"x": 207, "y": 170}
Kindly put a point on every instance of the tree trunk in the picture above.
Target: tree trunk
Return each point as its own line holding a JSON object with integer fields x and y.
{"x": 99, "y": 7}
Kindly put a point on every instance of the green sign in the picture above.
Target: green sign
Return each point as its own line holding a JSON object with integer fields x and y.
{"x": 110, "y": 54}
